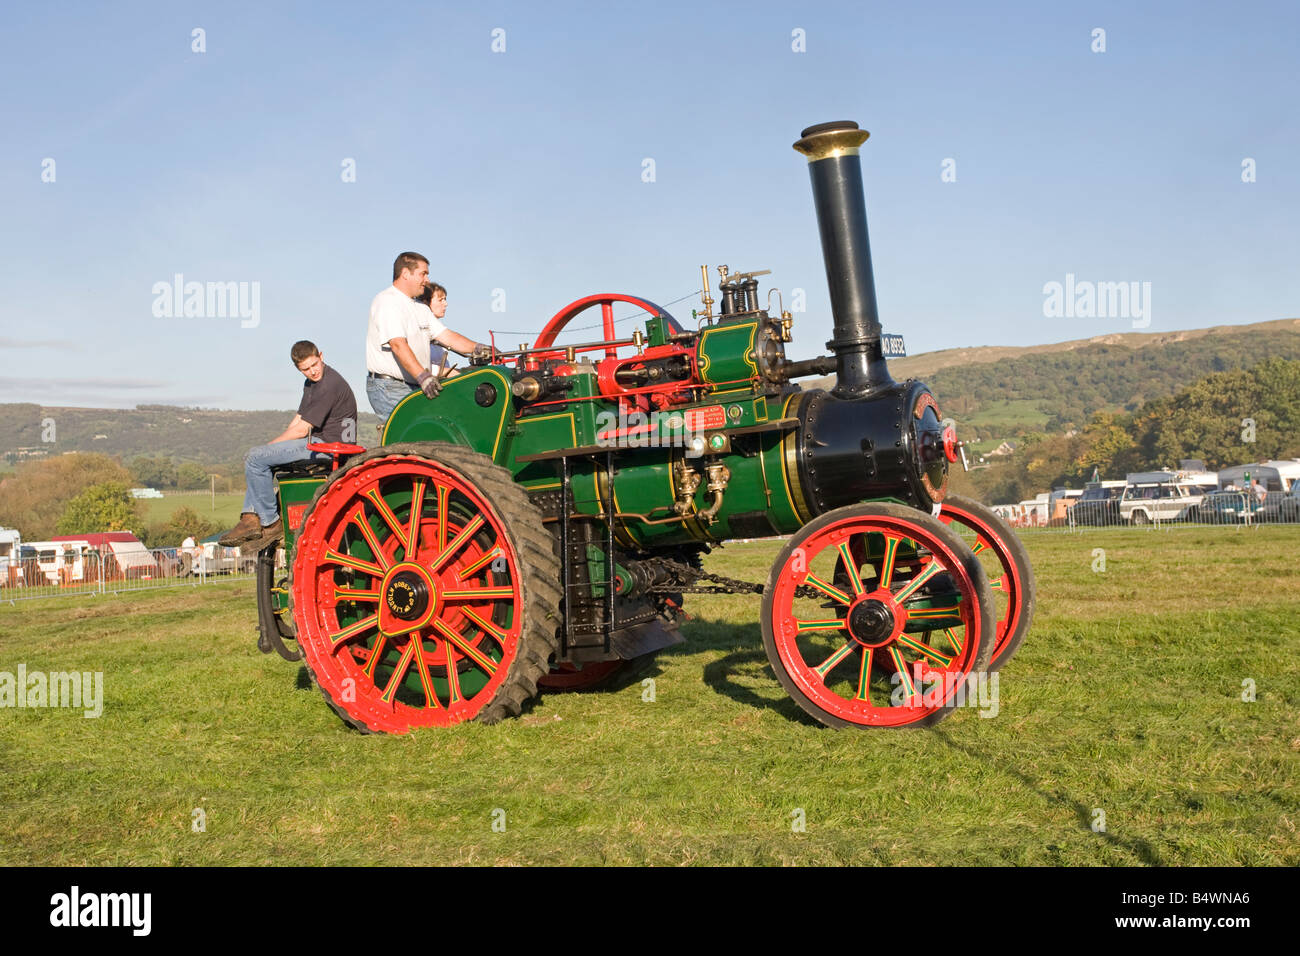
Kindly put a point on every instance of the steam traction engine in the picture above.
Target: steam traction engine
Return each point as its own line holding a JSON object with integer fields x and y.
{"x": 540, "y": 522}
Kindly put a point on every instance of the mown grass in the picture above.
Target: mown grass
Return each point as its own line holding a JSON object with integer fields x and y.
{"x": 226, "y": 512}
{"x": 1126, "y": 698}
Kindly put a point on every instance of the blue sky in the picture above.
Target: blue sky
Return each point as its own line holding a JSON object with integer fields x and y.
{"x": 522, "y": 171}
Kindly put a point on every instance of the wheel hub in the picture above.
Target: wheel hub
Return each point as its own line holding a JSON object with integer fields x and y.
{"x": 872, "y": 621}
{"x": 407, "y": 596}
{"x": 409, "y": 599}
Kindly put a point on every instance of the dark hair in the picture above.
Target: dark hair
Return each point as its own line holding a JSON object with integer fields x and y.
{"x": 302, "y": 350}
{"x": 407, "y": 260}
{"x": 428, "y": 292}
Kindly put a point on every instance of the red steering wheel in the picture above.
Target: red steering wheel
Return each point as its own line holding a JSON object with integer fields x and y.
{"x": 606, "y": 302}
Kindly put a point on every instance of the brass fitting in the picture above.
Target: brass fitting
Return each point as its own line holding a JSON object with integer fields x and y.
{"x": 687, "y": 480}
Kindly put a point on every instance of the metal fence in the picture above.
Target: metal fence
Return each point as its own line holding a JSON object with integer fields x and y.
{"x": 72, "y": 573}
{"x": 1226, "y": 509}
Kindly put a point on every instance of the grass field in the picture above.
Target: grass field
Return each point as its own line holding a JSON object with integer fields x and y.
{"x": 1126, "y": 698}
{"x": 228, "y": 506}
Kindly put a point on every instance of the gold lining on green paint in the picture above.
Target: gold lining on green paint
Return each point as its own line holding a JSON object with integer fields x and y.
{"x": 456, "y": 382}
{"x": 573, "y": 425}
{"x": 790, "y": 462}
{"x": 753, "y": 331}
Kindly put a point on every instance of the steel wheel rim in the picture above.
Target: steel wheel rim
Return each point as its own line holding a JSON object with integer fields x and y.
{"x": 380, "y": 657}
{"x": 932, "y": 646}
{"x": 1008, "y": 588}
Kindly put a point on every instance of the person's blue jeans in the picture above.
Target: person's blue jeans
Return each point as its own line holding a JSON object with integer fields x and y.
{"x": 260, "y": 496}
{"x": 384, "y": 394}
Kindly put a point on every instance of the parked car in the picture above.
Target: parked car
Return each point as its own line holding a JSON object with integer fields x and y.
{"x": 1162, "y": 496}
{"x": 1229, "y": 507}
{"x": 1098, "y": 506}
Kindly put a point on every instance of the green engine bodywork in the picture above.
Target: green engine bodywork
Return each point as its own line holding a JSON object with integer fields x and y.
{"x": 475, "y": 409}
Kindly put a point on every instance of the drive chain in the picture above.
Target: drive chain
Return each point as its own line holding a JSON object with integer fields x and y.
{"x": 687, "y": 575}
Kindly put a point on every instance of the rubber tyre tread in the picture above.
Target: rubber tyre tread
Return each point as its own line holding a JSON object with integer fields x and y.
{"x": 539, "y": 567}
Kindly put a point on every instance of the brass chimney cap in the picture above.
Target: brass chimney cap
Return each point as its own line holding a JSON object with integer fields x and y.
{"x": 827, "y": 140}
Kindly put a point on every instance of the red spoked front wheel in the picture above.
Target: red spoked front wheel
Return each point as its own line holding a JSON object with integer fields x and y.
{"x": 424, "y": 590}
{"x": 899, "y": 643}
{"x": 1007, "y": 565}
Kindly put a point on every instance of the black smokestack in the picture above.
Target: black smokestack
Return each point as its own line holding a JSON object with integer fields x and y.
{"x": 836, "y": 171}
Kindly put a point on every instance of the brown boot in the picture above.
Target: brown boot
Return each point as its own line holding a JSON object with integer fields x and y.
{"x": 267, "y": 536}
{"x": 249, "y": 527}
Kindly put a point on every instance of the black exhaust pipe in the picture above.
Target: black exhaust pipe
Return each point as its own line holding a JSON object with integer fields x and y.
{"x": 836, "y": 171}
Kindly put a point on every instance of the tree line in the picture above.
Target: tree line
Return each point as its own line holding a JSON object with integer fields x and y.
{"x": 1230, "y": 418}
{"x": 85, "y": 494}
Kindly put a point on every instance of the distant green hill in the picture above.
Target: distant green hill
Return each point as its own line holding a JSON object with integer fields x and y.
{"x": 1000, "y": 392}
{"x": 203, "y": 436}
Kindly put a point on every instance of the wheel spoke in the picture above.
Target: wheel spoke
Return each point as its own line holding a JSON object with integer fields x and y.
{"x": 914, "y": 585}
{"x": 806, "y": 627}
{"x": 852, "y": 567}
{"x": 352, "y": 594}
{"x": 478, "y": 565}
{"x": 935, "y": 614}
{"x": 352, "y": 630}
{"x": 455, "y": 544}
{"x": 828, "y": 665}
{"x": 444, "y": 494}
{"x": 475, "y": 594}
{"x": 399, "y": 672}
{"x": 359, "y": 564}
{"x": 999, "y": 583}
{"x": 887, "y": 564}
{"x": 956, "y": 642}
{"x": 412, "y": 537}
{"x": 901, "y": 667}
{"x": 924, "y": 650}
{"x": 426, "y": 682}
{"x": 864, "y": 674}
{"x": 358, "y": 517}
{"x": 486, "y": 625}
{"x": 376, "y": 652}
{"x": 830, "y": 589}
{"x": 465, "y": 647}
{"x": 385, "y": 512}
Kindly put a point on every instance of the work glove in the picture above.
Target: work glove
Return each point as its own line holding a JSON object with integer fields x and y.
{"x": 429, "y": 384}
{"x": 481, "y": 355}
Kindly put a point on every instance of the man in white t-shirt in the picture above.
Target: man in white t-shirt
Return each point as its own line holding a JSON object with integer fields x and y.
{"x": 398, "y": 339}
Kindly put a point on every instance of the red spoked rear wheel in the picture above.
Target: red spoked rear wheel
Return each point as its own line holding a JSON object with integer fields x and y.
{"x": 424, "y": 590}
{"x": 895, "y": 647}
{"x": 1011, "y": 577}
